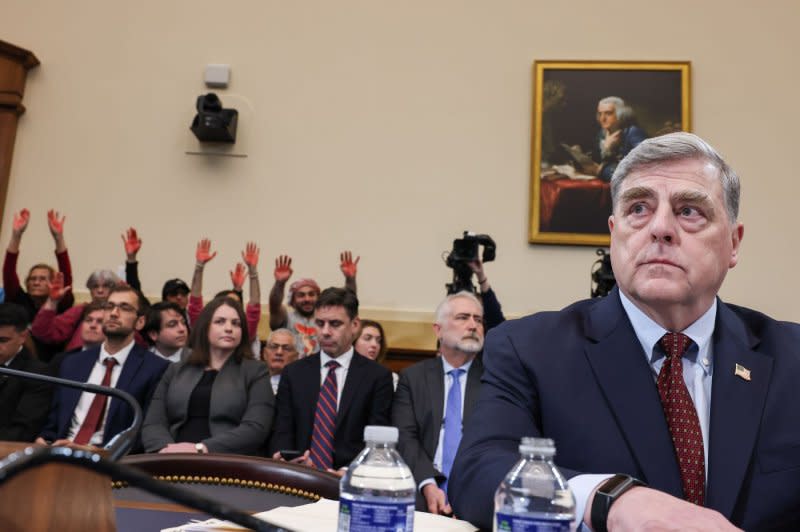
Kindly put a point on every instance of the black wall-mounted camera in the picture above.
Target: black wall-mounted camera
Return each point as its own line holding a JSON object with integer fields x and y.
{"x": 212, "y": 123}
{"x": 464, "y": 251}
{"x": 603, "y": 280}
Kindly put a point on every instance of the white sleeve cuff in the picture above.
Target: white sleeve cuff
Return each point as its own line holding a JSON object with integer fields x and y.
{"x": 425, "y": 483}
{"x": 582, "y": 487}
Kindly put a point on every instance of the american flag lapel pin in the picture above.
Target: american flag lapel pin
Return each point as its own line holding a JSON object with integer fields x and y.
{"x": 742, "y": 372}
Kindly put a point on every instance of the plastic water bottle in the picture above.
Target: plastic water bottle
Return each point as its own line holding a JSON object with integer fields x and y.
{"x": 534, "y": 495}
{"x": 378, "y": 490}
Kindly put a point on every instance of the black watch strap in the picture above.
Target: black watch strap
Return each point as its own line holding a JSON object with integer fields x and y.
{"x": 607, "y": 493}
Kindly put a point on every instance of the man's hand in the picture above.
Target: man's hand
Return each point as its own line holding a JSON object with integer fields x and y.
{"x": 436, "y": 500}
{"x": 591, "y": 168}
{"x": 21, "y": 220}
{"x": 283, "y": 268}
{"x": 250, "y": 256}
{"x": 41, "y": 441}
{"x": 648, "y": 509}
{"x": 182, "y": 447}
{"x": 348, "y": 266}
{"x": 237, "y": 277}
{"x": 203, "y": 253}
{"x": 132, "y": 244}
{"x": 56, "y": 223}
{"x": 338, "y": 472}
{"x": 305, "y": 459}
{"x": 611, "y": 141}
{"x": 57, "y": 288}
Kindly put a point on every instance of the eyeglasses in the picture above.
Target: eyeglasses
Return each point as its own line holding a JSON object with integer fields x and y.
{"x": 108, "y": 306}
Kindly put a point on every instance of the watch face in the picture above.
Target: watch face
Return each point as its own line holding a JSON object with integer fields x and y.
{"x": 611, "y": 485}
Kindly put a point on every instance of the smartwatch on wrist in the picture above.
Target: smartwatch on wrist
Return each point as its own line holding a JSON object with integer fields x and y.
{"x": 607, "y": 493}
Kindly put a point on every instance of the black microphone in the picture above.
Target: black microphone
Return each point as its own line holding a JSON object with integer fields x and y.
{"x": 120, "y": 444}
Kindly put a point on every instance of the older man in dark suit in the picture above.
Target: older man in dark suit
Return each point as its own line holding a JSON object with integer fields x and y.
{"x": 624, "y": 384}
{"x": 434, "y": 396}
{"x": 325, "y": 400}
{"x": 23, "y": 403}
{"x": 88, "y": 419}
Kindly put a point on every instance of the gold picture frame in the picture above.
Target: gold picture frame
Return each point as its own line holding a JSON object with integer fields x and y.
{"x": 573, "y": 153}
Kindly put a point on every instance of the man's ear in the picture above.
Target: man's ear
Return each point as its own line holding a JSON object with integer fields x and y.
{"x": 139, "y": 323}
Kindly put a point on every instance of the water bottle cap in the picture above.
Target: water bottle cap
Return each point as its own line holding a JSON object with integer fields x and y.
{"x": 381, "y": 434}
{"x": 544, "y": 446}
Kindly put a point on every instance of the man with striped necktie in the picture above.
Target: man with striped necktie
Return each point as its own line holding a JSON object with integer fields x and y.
{"x": 326, "y": 399}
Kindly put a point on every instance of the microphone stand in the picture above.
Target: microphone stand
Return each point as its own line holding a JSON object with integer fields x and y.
{"x": 31, "y": 457}
{"x": 119, "y": 444}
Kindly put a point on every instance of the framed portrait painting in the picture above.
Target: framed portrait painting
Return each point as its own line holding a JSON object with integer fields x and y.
{"x": 587, "y": 115}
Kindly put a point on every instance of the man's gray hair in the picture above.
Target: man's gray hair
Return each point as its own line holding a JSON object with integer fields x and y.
{"x": 282, "y": 330}
{"x": 444, "y": 307}
{"x": 673, "y": 147}
{"x": 623, "y": 111}
{"x": 99, "y": 277}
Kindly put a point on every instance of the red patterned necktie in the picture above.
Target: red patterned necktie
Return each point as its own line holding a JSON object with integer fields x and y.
{"x": 684, "y": 425}
{"x": 325, "y": 420}
{"x": 94, "y": 418}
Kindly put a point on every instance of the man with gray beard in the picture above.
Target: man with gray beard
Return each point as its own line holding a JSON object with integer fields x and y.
{"x": 435, "y": 396}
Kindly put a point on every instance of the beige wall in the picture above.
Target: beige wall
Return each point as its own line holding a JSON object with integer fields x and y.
{"x": 382, "y": 127}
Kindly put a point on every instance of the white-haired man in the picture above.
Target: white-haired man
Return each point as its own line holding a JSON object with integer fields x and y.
{"x": 436, "y": 395}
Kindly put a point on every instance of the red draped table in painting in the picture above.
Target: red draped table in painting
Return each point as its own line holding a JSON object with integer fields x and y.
{"x": 574, "y": 205}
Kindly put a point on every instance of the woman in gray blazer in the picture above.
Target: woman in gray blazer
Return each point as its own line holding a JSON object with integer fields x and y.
{"x": 218, "y": 400}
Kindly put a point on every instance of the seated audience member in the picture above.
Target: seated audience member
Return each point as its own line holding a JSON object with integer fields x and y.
{"x": 279, "y": 349}
{"x": 492, "y": 312}
{"x": 253, "y": 310}
{"x": 371, "y": 342}
{"x": 166, "y": 331}
{"x": 219, "y": 399}
{"x": 55, "y": 329}
{"x": 91, "y": 334}
{"x": 670, "y": 409}
{"x": 303, "y": 294}
{"x": 88, "y": 419}
{"x": 325, "y": 400}
{"x": 24, "y": 404}
{"x": 37, "y": 283}
{"x": 435, "y": 396}
{"x": 176, "y": 291}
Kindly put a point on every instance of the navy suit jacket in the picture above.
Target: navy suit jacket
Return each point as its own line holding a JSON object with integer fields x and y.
{"x": 579, "y": 376}
{"x": 139, "y": 377}
{"x": 366, "y": 400}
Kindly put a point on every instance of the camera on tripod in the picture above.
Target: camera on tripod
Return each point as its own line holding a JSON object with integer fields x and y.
{"x": 466, "y": 250}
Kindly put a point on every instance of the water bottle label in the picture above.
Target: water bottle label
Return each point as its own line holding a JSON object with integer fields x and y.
{"x": 518, "y": 523}
{"x": 367, "y": 516}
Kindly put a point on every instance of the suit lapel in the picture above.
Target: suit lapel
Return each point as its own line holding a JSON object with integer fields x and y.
{"x": 434, "y": 382}
{"x": 351, "y": 384}
{"x": 736, "y": 407}
{"x": 79, "y": 368}
{"x": 627, "y": 382}
{"x": 129, "y": 370}
{"x": 473, "y": 386}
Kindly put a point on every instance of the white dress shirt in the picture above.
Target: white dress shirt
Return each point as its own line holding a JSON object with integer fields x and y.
{"x": 275, "y": 380}
{"x": 96, "y": 377}
{"x": 698, "y": 364}
{"x": 341, "y": 372}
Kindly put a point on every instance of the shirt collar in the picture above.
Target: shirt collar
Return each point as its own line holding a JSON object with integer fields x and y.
{"x": 120, "y": 356}
{"x": 344, "y": 359}
{"x": 10, "y": 360}
{"x": 649, "y": 332}
{"x": 448, "y": 366}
